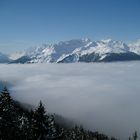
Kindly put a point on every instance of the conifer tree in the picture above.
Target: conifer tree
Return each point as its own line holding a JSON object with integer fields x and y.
{"x": 39, "y": 123}
{"x": 52, "y": 130}
{"x": 135, "y": 135}
{"x": 8, "y": 117}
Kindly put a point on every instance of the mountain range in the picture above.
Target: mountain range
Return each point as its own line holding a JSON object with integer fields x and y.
{"x": 77, "y": 50}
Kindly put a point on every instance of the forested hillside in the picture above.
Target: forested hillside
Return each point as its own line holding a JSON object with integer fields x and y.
{"x": 18, "y": 123}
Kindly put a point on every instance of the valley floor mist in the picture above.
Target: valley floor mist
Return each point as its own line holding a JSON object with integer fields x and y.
{"x": 101, "y": 96}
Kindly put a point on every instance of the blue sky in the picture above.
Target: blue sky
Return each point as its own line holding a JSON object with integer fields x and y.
{"x": 27, "y": 23}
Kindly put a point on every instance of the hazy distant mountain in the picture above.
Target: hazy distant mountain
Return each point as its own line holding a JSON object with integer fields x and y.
{"x": 80, "y": 50}
{"x": 4, "y": 58}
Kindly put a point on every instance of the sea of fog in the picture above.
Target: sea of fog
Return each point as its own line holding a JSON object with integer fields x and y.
{"x": 100, "y": 96}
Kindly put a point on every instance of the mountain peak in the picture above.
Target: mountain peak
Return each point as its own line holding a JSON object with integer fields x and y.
{"x": 86, "y": 39}
{"x": 79, "y": 50}
{"x": 107, "y": 40}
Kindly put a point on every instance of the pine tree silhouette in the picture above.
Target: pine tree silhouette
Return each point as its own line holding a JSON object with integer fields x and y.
{"x": 135, "y": 135}
{"x": 52, "y": 130}
{"x": 8, "y": 118}
{"x": 39, "y": 123}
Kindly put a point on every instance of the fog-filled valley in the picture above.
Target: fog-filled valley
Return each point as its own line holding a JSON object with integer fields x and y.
{"x": 100, "y": 96}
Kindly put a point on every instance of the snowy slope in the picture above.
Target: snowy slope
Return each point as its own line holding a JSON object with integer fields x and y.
{"x": 74, "y": 49}
{"x": 80, "y": 50}
{"x": 135, "y": 47}
{"x": 52, "y": 53}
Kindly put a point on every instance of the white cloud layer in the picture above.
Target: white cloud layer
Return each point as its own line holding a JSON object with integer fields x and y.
{"x": 102, "y": 96}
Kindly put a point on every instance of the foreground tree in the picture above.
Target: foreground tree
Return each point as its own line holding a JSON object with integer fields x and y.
{"x": 43, "y": 126}
{"x": 134, "y": 137}
{"x": 39, "y": 123}
{"x": 9, "y": 121}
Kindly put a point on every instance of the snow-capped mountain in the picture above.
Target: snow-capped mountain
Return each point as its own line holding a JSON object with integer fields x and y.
{"x": 135, "y": 47}
{"x": 4, "y": 58}
{"x": 81, "y": 50}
